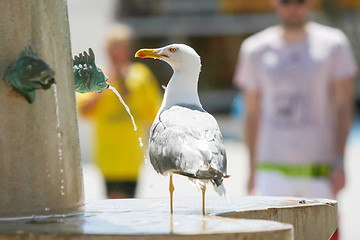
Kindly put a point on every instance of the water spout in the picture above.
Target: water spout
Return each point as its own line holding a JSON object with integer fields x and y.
{"x": 28, "y": 73}
{"x": 88, "y": 77}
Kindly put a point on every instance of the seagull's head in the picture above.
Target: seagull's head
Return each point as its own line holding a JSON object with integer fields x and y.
{"x": 179, "y": 56}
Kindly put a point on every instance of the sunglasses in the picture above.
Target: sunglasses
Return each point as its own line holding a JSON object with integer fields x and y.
{"x": 285, "y": 2}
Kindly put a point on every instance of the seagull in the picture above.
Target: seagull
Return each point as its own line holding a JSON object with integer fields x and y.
{"x": 184, "y": 138}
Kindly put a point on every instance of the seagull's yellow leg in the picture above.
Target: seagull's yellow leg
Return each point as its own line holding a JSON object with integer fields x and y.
{"x": 203, "y": 189}
{"x": 171, "y": 189}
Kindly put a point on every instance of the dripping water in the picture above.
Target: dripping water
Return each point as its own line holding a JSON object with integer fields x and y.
{"x": 126, "y": 106}
{"x": 59, "y": 137}
{"x": 131, "y": 116}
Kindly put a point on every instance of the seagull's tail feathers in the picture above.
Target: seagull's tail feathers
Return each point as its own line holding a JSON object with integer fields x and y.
{"x": 220, "y": 190}
{"x": 219, "y": 187}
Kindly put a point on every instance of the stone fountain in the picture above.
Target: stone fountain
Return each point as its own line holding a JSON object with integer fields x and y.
{"x": 40, "y": 168}
{"x": 41, "y": 189}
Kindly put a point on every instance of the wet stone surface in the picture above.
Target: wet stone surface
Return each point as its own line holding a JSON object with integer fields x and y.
{"x": 152, "y": 217}
{"x": 146, "y": 217}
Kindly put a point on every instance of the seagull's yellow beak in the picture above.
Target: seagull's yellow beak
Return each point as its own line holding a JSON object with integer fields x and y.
{"x": 149, "y": 53}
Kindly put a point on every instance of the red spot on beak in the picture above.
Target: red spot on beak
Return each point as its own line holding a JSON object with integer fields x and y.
{"x": 141, "y": 55}
{"x": 164, "y": 55}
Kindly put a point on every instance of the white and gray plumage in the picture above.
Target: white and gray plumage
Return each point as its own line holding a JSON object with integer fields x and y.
{"x": 184, "y": 138}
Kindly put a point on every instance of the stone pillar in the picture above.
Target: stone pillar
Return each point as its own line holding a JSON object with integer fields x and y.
{"x": 40, "y": 167}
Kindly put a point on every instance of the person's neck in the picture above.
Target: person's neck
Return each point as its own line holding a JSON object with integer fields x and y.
{"x": 293, "y": 35}
{"x": 120, "y": 70}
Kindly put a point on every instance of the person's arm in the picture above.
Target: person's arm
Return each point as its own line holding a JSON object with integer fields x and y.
{"x": 252, "y": 119}
{"x": 86, "y": 104}
{"x": 343, "y": 96}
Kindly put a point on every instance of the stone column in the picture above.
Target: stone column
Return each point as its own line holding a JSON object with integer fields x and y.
{"x": 40, "y": 167}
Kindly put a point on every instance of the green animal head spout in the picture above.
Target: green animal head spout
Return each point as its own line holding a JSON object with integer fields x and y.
{"x": 28, "y": 73}
{"x": 88, "y": 77}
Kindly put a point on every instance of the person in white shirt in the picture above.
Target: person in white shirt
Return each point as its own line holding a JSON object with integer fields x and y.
{"x": 297, "y": 79}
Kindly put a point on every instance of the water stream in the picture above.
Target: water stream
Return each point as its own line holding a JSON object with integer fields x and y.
{"x": 123, "y": 103}
{"x": 59, "y": 136}
{"x": 132, "y": 118}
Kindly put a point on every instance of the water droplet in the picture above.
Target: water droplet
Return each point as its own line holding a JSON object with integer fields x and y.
{"x": 48, "y": 175}
{"x": 59, "y": 132}
{"x": 61, "y": 170}
{"x": 62, "y": 181}
{"x": 141, "y": 143}
{"x": 62, "y": 187}
{"x": 62, "y": 193}
{"x": 47, "y": 209}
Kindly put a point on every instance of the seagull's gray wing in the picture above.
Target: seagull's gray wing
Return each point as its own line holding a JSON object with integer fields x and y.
{"x": 187, "y": 141}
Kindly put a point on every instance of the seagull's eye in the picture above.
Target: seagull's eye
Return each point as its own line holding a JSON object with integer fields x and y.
{"x": 172, "y": 50}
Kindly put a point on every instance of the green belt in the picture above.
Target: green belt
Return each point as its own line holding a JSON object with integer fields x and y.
{"x": 307, "y": 170}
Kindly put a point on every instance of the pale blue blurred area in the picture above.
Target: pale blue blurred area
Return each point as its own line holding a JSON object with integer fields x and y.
{"x": 355, "y": 131}
{"x": 238, "y": 107}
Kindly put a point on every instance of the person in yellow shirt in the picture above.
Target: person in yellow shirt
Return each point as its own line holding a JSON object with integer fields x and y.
{"x": 117, "y": 150}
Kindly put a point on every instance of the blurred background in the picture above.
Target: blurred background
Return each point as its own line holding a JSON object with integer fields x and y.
{"x": 215, "y": 29}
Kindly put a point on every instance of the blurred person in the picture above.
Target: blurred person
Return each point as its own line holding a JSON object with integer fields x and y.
{"x": 297, "y": 79}
{"x": 117, "y": 150}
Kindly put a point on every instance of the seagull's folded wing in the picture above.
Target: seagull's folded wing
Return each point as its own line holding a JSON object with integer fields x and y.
{"x": 188, "y": 142}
